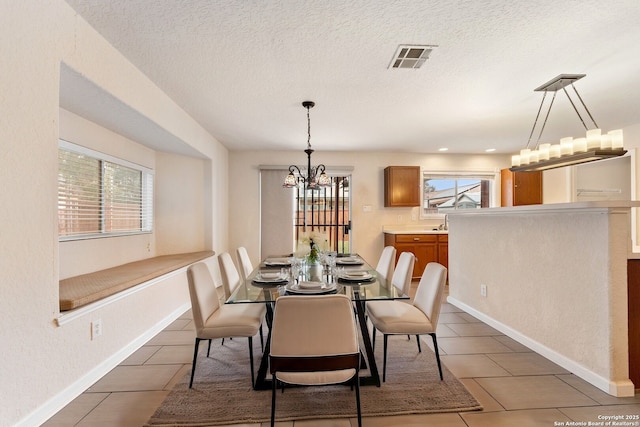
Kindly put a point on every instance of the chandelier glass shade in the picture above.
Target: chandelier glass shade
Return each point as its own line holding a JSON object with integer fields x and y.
{"x": 316, "y": 176}
{"x": 595, "y": 145}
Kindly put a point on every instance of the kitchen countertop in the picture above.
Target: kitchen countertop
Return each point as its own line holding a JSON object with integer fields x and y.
{"x": 416, "y": 231}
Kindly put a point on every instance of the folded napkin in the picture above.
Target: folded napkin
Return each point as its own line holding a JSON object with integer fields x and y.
{"x": 310, "y": 285}
{"x": 272, "y": 275}
{"x": 356, "y": 273}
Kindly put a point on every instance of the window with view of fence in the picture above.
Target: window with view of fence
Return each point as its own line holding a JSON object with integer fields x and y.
{"x": 101, "y": 196}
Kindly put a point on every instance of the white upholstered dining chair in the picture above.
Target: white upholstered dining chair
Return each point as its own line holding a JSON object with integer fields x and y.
{"x": 418, "y": 318}
{"x": 213, "y": 320}
{"x": 230, "y": 281}
{"x": 403, "y": 273}
{"x": 314, "y": 342}
{"x": 244, "y": 262}
{"x": 387, "y": 262}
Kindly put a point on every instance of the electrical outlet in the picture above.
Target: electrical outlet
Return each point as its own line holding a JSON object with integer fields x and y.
{"x": 399, "y": 218}
{"x": 483, "y": 290}
{"x": 96, "y": 329}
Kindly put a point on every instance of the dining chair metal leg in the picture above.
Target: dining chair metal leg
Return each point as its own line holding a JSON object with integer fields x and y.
{"x": 209, "y": 348}
{"x": 195, "y": 358}
{"x": 418, "y": 340}
{"x": 253, "y": 382}
{"x": 384, "y": 360}
{"x": 357, "y": 383}
{"x": 261, "y": 339}
{"x": 435, "y": 348}
{"x": 273, "y": 401}
{"x": 373, "y": 343}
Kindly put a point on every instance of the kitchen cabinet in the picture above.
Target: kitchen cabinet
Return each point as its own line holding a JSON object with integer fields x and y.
{"x": 426, "y": 247}
{"x": 402, "y": 186}
{"x": 521, "y": 188}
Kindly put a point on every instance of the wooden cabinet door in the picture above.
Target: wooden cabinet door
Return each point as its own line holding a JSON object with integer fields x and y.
{"x": 402, "y": 186}
{"x": 443, "y": 252}
{"x": 521, "y": 188}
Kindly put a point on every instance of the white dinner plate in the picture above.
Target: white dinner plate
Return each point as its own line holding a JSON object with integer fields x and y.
{"x": 323, "y": 288}
{"x": 349, "y": 261}
{"x": 356, "y": 276}
{"x": 277, "y": 261}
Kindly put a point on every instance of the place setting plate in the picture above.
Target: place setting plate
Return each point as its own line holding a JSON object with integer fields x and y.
{"x": 356, "y": 276}
{"x": 311, "y": 288}
{"x": 349, "y": 261}
{"x": 268, "y": 278}
{"x": 277, "y": 262}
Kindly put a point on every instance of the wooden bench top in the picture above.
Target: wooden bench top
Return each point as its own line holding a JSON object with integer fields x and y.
{"x": 86, "y": 288}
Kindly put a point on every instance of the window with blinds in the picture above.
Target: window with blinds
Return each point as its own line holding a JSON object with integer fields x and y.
{"x": 101, "y": 196}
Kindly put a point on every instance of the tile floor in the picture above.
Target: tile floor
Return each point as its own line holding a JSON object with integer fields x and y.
{"x": 516, "y": 386}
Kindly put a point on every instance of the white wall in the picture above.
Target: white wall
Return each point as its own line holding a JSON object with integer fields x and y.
{"x": 367, "y": 188}
{"x": 556, "y": 281}
{"x": 44, "y": 365}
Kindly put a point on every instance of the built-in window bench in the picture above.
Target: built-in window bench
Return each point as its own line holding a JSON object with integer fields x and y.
{"x": 79, "y": 291}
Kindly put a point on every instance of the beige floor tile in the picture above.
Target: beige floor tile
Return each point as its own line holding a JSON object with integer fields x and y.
{"x": 337, "y": 422}
{"x": 444, "y": 331}
{"x": 141, "y": 355}
{"x": 186, "y": 369}
{"x": 526, "y": 364}
{"x": 489, "y": 404}
{"x": 451, "y": 318}
{"x": 473, "y": 365}
{"x": 136, "y": 378}
{"x": 178, "y": 325}
{"x": 76, "y": 410}
{"x": 469, "y": 318}
{"x": 595, "y": 414}
{"x": 173, "y": 338}
{"x": 473, "y": 329}
{"x": 172, "y": 354}
{"x": 440, "y": 420}
{"x": 471, "y": 345}
{"x": 512, "y": 344}
{"x": 546, "y": 391}
{"x": 130, "y": 409}
{"x": 529, "y": 418}
{"x": 596, "y": 394}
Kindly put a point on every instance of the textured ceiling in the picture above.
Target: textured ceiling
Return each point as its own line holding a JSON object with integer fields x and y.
{"x": 242, "y": 68}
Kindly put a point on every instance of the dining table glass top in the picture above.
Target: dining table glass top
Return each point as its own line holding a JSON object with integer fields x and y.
{"x": 349, "y": 275}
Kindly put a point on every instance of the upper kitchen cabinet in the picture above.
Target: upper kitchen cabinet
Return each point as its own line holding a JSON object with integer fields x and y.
{"x": 521, "y": 188}
{"x": 402, "y": 186}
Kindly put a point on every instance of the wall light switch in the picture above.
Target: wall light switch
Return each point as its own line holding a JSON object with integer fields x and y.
{"x": 366, "y": 208}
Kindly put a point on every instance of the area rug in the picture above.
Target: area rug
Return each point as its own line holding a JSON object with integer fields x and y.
{"x": 222, "y": 392}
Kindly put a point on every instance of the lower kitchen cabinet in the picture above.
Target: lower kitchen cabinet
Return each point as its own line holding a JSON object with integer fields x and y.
{"x": 426, "y": 247}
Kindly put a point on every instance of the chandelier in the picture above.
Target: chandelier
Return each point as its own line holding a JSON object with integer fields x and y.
{"x": 316, "y": 176}
{"x": 569, "y": 151}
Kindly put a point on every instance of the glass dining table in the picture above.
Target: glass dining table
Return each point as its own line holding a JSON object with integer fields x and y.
{"x": 351, "y": 276}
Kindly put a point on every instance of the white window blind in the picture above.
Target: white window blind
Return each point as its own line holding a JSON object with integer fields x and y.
{"x": 100, "y": 196}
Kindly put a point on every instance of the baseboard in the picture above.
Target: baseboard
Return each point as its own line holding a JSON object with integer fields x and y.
{"x": 614, "y": 388}
{"x": 62, "y": 399}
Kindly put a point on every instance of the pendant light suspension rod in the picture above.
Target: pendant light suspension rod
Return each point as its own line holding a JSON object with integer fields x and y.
{"x": 533, "y": 128}
{"x": 585, "y": 107}
{"x": 546, "y": 117}
{"x": 574, "y": 107}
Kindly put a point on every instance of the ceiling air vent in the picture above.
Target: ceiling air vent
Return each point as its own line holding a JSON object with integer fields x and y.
{"x": 411, "y": 56}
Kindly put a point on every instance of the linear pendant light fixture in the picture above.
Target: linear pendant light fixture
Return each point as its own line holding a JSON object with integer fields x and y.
{"x": 316, "y": 176}
{"x": 569, "y": 151}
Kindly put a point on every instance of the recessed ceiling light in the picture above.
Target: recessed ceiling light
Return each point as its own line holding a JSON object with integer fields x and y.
{"x": 490, "y": 150}
{"x": 411, "y": 56}
{"x": 443, "y": 149}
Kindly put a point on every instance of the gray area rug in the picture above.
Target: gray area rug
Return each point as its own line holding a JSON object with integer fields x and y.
{"x": 222, "y": 392}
